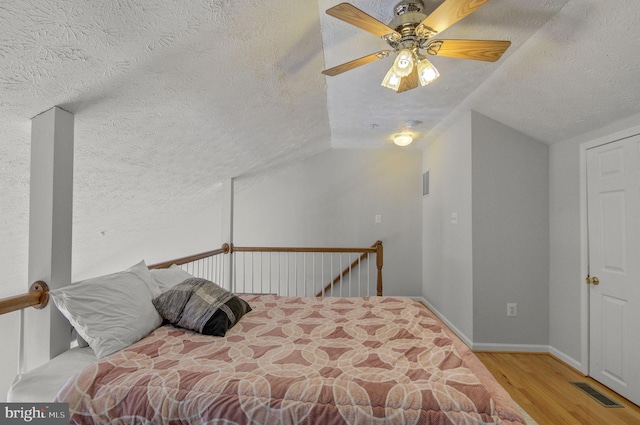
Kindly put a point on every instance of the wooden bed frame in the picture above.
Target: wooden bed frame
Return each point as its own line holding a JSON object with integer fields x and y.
{"x": 38, "y": 295}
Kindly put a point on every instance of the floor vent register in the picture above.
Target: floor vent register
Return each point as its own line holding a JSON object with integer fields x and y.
{"x": 596, "y": 395}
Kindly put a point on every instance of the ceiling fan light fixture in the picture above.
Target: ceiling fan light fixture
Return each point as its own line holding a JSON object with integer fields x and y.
{"x": 403, "y": 139}
{"x": 403, "y": 65}
{"x": 392, "y": 80}
{"x": 427, "y": 73}
{"x": 410, "y": 33}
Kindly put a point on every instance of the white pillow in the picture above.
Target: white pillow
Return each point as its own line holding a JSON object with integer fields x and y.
{"x": 113, "y": 311}
{"x": 78, "y": 339}
{"x": 168, "y": 278}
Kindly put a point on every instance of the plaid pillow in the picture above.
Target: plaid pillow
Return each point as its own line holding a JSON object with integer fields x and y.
{"x": 202, "y": 306}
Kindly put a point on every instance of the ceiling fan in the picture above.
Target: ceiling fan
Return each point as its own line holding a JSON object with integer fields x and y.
{"x": 410, "y": 35}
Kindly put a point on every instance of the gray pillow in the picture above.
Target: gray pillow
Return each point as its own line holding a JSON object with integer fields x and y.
{"x": 202, "y": 306}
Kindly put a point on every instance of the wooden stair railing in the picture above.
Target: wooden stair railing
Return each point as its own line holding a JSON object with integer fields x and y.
{"x": 225, "y": 249}
{"x": 229, "y": 249}
{"x": 379, "y": 260}
{"x": 37, "y": 297}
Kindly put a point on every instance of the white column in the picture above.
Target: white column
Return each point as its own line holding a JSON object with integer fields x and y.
{"x": 46, "y": 333}
{"x": 227, "y": 227}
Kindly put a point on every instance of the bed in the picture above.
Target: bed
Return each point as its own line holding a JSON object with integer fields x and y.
{"x": 285, "y": 360}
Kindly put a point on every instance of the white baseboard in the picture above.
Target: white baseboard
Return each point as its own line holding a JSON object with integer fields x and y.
{"x": 516, "y": 348}
{"x": 568, "y": 360}
{"x": 451, "y": 326}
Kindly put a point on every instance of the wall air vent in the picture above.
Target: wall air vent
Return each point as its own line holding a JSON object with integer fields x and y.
{"x": 425, "y": 183}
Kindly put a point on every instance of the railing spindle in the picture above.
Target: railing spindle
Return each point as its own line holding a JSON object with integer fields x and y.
{"x": 349, "y": 276}
{"x": 212, "y": 266}
{"x": 270, "y": 291}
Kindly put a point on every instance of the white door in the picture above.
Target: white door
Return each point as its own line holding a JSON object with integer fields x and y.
{"x": 613, "y": 207}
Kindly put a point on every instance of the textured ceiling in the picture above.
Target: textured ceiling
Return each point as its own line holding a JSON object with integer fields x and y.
{"x": 175, "y": 95}
{"x": 572, "y": 67}
{"x": 359, "y": 105}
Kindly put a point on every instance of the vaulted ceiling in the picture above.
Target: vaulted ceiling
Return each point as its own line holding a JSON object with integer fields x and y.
{"x": 175, "y": 95}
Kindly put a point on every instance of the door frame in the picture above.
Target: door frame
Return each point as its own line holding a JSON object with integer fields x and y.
{"x": 584, "y": 237}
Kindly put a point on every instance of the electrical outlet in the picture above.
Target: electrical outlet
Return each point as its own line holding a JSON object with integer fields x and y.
{"x": 512, "y": 309}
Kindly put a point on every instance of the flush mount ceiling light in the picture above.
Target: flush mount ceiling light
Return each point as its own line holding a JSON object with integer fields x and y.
{"x": 403, "y": 139}
{"x": 410, "y": 36}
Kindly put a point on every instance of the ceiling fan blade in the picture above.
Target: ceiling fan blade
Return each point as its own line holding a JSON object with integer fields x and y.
{"x": 356, "y": 63}
{"x": 354, "y": 16}
{"x": 409, "y": 82}
{"x": 482, "y": 50}
{"x": 450, "y": 12}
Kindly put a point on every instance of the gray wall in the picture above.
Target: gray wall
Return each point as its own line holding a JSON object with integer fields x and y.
{"x": 447, "y": 260}
{"x": 564, "y": 267}
{"x": 510, "y": 234}
{"x": 496, "y": 181}
{"x": 331, "y": 199}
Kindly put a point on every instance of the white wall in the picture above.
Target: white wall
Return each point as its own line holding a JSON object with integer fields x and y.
{"x": 510, "y": 234}
{"x": 331, "y": 200}
{"x": 197, "y": 231}
{"x": 447, "y": 260}
{"x": 566, "y": 274}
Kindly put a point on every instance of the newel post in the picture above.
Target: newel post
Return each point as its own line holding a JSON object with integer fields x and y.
{"x": 379, "y": 261}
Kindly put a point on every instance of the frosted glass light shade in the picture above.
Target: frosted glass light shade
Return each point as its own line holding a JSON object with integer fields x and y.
{"x": 391, "y": 80}
{"x": 403, "y": 65}
{"x": 427, "y": 73}
{"x": 402, "y": 139}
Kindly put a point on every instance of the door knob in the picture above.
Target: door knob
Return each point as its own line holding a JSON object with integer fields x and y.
{"x": 592, "y": 280}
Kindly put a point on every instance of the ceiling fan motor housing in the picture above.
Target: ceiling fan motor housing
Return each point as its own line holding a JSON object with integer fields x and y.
{"x": 408, "y": 15}
{"x": 408, "y": 6}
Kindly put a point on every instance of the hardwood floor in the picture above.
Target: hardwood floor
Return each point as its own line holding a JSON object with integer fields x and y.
{"x": 541, "y": 385}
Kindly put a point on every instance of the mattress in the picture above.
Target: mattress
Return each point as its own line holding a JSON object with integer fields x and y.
{"x": 43, "y": 383}
{"x": 292, "y": 360}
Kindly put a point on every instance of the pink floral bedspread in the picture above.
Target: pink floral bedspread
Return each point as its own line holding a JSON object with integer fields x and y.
{"x": 372, "y": 360}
